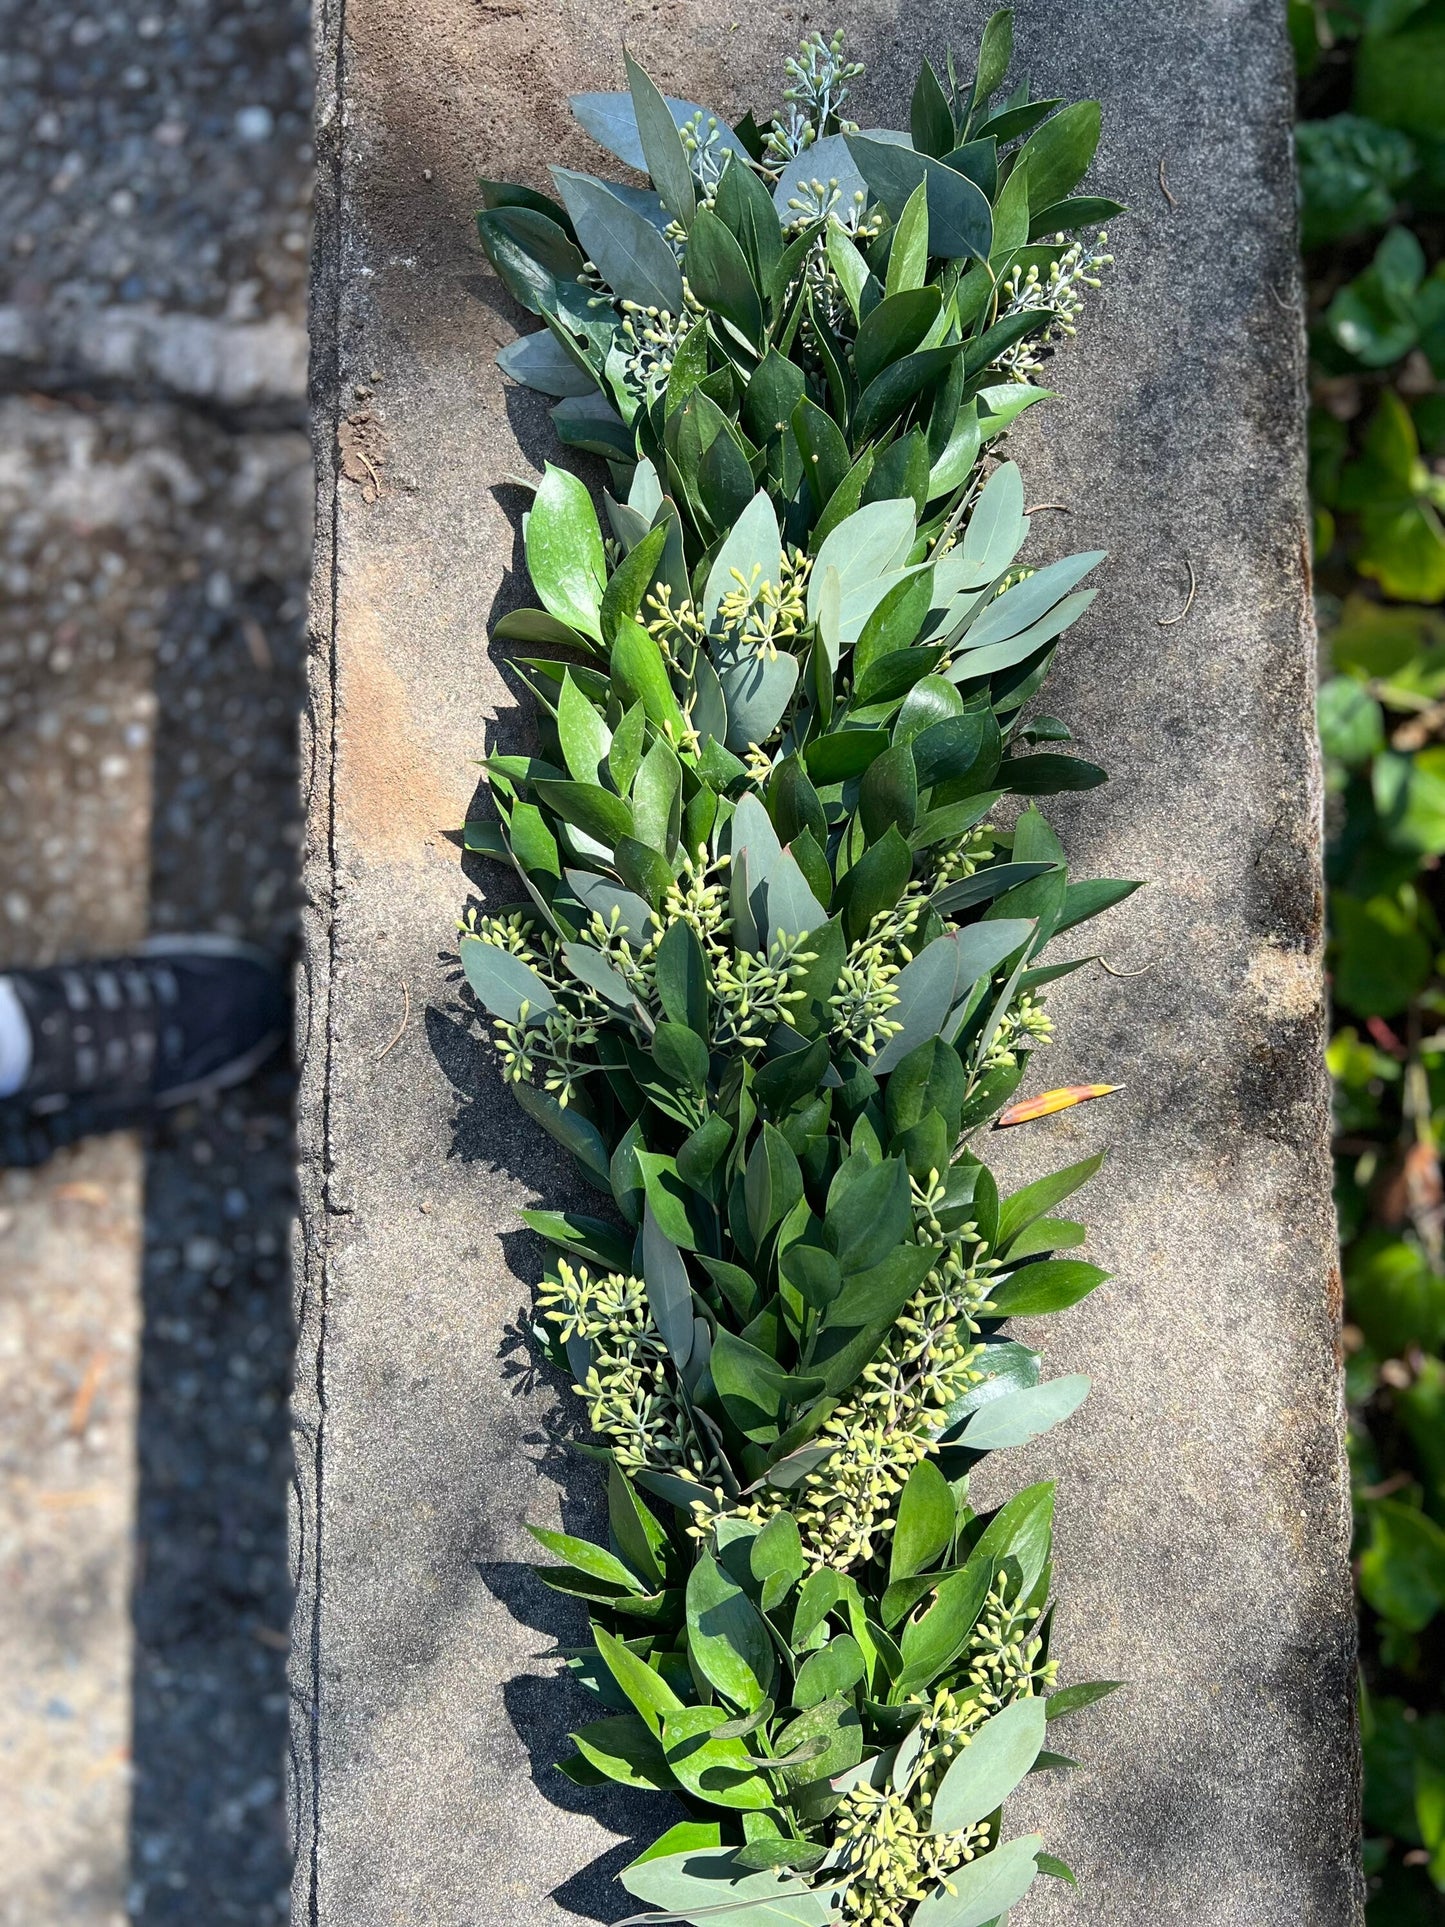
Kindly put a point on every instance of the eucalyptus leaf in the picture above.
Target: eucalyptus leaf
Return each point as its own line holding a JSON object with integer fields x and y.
{"x": 611, "y": 120}
{"x": 960, "y": 220}
{"x": 630, "y": 254}
{"x": 1020, "y": 1416}
{"x": 505, "y": 983}
{"x": 998, "y": 1755}
{"x": 539, "y": 361}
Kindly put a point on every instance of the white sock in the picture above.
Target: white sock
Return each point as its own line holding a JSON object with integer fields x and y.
{"x": 15, "y": 1046}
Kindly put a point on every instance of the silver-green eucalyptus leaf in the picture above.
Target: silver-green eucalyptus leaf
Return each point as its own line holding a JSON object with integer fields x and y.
{"x": 627, "y": 250}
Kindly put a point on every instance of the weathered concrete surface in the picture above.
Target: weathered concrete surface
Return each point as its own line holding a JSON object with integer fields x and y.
{"x": 1203, "y": 1503}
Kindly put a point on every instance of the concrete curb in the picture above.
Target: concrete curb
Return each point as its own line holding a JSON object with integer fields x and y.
{"x": 1204, "y": 1504}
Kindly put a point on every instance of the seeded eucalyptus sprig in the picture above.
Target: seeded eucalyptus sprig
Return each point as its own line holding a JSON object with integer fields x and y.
{"x": 779, "y": 962}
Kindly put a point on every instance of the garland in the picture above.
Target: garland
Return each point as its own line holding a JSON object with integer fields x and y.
{"x": 778, "y": 963}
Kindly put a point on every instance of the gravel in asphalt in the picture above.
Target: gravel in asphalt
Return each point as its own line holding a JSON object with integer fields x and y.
{"x": 155, "y": 175}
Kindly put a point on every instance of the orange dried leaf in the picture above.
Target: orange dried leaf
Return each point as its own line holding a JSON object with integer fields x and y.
{"x": 1048, "y": 1102}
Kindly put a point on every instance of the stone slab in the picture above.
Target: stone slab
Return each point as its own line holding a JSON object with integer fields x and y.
{"x": 1204, "y": 1507}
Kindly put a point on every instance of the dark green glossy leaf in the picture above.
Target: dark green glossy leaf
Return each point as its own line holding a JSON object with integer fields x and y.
{"x": 890, "y": 392}
{"x": 896, "y": 327}
{"x": 995, "y": 54}
{"x": 930, "y": 118}
{"x": 744, "y": 206}
{"x": 775, "y": 390}
{"x": 530, "y": 252}
{"x": 1048, "y": 775}
{"x": 595, "y": 811}
{"x": 1069, "y": 1699}
{"x": 682, "y": 977}
{"x": 824, "y": 451}
{"x": 1057, "y": 155}
{"x": 924, "y": 1530}
{"x": 626, "y": 1751}
{"x": 564, "y": 552}
{"x": 870, "y": 1217}
{"x": 717, "y": 270}
{"x": 1085, "y": 210}
{"x": 888, "y": 794}
{"x": 875, "y": 882}
{"x": 727, "y": 1639}
{"x": 1052, "y": 1285}
{"x": 1033, "y": 1200}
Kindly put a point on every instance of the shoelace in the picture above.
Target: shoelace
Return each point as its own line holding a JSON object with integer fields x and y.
{"x": 117, "y": 1030}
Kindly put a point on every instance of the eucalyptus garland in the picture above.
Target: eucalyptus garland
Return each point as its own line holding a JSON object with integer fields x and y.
{"x": 778, "y": 964}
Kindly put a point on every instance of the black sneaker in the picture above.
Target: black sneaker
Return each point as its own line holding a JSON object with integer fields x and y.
{"x": 178, "y": 1018}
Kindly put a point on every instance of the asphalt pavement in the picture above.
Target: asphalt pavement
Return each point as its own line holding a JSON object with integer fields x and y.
{"x": 155, "y": 505}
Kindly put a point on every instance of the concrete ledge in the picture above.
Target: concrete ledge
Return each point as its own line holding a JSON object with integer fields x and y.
{"x": 1204, "y": 1506}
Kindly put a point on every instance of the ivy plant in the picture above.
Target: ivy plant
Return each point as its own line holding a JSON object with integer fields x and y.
{"x": 778, "y": 960}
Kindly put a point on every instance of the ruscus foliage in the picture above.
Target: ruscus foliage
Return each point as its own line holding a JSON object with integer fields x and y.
{"x": 778, "y": 961}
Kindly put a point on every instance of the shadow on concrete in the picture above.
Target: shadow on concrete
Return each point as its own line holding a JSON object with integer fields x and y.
{"x": 544, "y": 1709}
{"x": 212, "y": 1599}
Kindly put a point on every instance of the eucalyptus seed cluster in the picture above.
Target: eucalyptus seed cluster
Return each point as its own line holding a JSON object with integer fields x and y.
{"x": 1024, "y": 1024}
{"x": 632, "y": 1401}
{"x": 1080, "y": 266}
{"x": 900, "y": 1406}
{"x": 707, "y": 152}
{"x": 676, "y": 627}
{"x": 560, "y": 1048}
{"x": 888, "y": 1857}
{"x": 759, "y": 616}
{"x": 554, "y": 1053}
{"x": 902, "y": 1403}
{"x": 755, "y": 992}
{"x": 820, "y": 78}
{"x": 864, "y": 993}
{"x": 651, "y": 340}
{"x": 1006, "y": 1650}
{"x": 945, "y": 1727}
{"x": 819, "y": 83}
{"x": 698, "y": 897}
{"x": 952, "y": 866}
